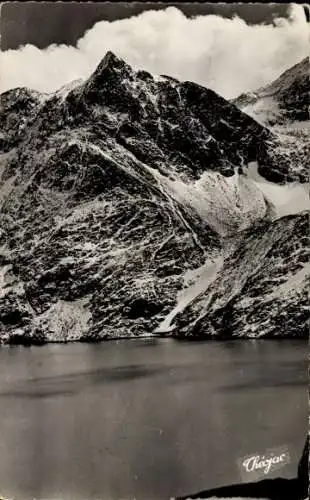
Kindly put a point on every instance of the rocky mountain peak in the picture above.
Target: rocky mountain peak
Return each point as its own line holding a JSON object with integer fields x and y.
{"x": 111, "y": 60}
{"x": 111, "y": 63}
{"x": 107, "y": 78}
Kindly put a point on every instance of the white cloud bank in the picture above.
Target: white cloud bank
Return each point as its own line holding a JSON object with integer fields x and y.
{"x": 226, "y": 55}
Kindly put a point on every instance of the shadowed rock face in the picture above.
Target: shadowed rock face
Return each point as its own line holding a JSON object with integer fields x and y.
{"x": 99, "y": 223}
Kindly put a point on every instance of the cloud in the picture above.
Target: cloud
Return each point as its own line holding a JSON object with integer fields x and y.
{"x": 226, "y": 55}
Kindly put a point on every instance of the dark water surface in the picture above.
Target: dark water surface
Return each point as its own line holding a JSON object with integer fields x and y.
{"x": 145, "y": 418}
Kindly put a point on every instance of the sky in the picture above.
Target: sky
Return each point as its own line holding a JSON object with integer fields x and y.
{"x": 231, "y": 48}
{"x": 66, "y": 22}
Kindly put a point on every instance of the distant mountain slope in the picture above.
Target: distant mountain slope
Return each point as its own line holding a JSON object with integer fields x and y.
{"x": 283, "y": 106}
{"x": 117, "y": 193}
{"x": 287, "y": 99}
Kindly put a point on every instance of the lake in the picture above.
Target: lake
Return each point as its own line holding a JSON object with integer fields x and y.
{"x": 146, "y": 418}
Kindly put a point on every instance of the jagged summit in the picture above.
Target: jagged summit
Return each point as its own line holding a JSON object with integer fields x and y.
{"x": 107, "y": 81}
{"x": 111, "y": 64}
{"x": 111, "y": 61}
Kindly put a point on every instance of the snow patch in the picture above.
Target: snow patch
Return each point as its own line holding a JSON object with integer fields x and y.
{"x": 196, "y": 282}
{"x": 287, "y": 199}
{"x": 227, "y": 204}
{"x": 293, "y": 283}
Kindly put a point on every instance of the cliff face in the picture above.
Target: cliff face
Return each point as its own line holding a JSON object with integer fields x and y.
{"x": 114, "y": 191}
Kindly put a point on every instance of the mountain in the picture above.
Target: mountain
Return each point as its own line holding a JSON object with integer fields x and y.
{"x": 283, "y": 106}
{"x": 285, "y": 100}
{"x": 128, "y": 200}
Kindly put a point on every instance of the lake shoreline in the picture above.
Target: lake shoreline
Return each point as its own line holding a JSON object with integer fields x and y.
{"x": 27, "y": 342}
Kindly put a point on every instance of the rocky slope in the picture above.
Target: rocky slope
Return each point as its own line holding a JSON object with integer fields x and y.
{"x": 117, "y": 195}
{"x": 264, "y": 282}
